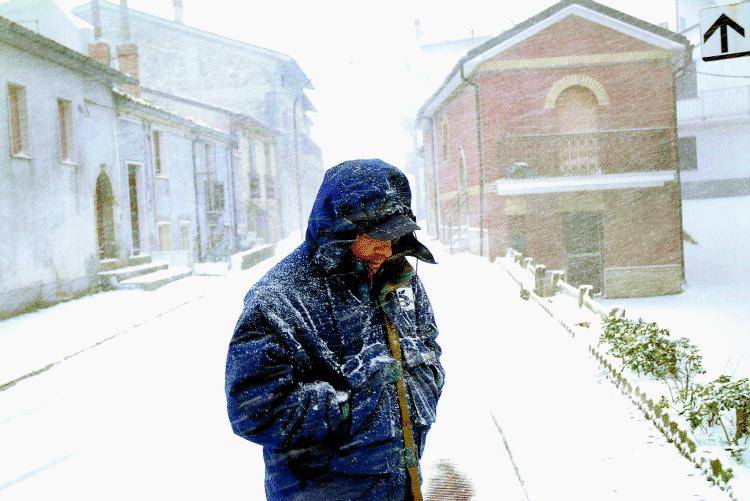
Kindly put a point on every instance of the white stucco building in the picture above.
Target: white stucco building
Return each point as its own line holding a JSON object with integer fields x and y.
{"x": 713, "y": 119}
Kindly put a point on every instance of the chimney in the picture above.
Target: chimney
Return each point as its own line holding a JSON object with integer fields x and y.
{"x": 97, "y": 19}
{"x": 177, "y": 11}
{"x": 127, "y": 60}
{"x": 124, "y": 21}
{"x": 127, "y": 53}
{"x": 99, "y": 51}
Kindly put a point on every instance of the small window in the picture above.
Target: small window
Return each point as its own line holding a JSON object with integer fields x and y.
{"x": 65, "y": 127}
{"x": 214, "y": 196}
{"x": 254, "y": 182}
{"x": 19, "y": 120}
{"x": 158, "y": 151}
{"x": 208, "y": 155}
{"x": 185, "y": 235}
{"x": 688, "y": 153}
{"x": 269, "y": 174}
{"x": 165, "y": 236}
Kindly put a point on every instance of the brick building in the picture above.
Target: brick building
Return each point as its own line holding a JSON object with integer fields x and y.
{"x": 558, "y": 138}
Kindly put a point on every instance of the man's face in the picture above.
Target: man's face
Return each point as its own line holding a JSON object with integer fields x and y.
{"x": 371, "y": 250}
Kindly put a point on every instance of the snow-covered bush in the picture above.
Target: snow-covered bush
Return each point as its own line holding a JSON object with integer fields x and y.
{"x": 646, "y": 349}
{"x": 688, "y": 364}
{"x": 643, "y": 347}
{"x": 717, "y": 403}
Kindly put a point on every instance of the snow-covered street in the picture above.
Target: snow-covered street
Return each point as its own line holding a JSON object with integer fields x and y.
{"x": 143, "y": 415}
{"x": 571, "y": 433}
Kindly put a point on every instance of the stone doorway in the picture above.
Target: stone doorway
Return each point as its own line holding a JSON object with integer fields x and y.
{"x": 134, "y": 216}
{"x": 105, "y": 221}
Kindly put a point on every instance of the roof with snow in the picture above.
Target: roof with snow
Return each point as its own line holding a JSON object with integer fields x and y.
{"x": 129, "y": 102}
{"x": 243, "y": 117}
{"x": 587, "y": 9}
{"x": 24, "y": 39}
{"x": 84, "y": 11}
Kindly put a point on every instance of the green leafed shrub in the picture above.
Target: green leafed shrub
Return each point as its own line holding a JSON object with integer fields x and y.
{"x": 716, "y": 403}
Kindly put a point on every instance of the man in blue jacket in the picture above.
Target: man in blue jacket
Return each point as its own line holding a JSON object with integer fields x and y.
{"x": 333, "y": 366}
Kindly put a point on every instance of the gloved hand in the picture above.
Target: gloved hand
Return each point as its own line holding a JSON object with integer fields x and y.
{"x": 342, "y": 397}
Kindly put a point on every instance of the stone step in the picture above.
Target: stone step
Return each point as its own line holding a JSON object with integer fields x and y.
{"x": 112, "y": 277}
{"x": 156, "y": 279}
{"x": 139, "y": 259}
{"x": 108, "y": 264}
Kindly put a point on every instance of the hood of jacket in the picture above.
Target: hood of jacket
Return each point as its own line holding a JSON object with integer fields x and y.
{"x": 354, "y": 197}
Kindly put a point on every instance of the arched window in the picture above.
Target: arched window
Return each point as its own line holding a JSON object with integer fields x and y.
{"x": 577, "y": 111}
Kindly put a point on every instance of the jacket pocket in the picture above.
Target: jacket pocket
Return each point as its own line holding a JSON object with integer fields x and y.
{"x": 424, "y": 378}
{"x": 373, "y": 407}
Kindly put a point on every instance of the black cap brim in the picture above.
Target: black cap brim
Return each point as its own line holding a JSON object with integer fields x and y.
{"x": 394, "y": 227}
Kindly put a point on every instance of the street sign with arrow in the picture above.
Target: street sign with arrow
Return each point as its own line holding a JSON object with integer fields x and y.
{"x": 724, "y": 31}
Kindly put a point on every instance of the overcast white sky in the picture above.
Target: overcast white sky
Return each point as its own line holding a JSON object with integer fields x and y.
{"x": 357, "y": 53}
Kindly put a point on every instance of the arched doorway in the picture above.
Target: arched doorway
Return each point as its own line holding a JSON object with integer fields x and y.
{"x": 105, "y": 221}
{"x": 577, "y": 116}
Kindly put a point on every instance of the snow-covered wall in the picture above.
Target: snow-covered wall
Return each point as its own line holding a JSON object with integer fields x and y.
{"x": 48, "y": 240}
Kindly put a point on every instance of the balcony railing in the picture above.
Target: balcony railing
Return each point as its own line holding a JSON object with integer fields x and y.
{"x": 715, "y": 103}
{"x": 584, "y": 154}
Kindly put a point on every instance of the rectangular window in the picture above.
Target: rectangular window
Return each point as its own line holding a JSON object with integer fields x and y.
{"x": 688, "y": 153}
{"x": 269, "y": 174}
{"x": 165, "y": 236}
{"x": 254, "y": 182}
{"x": 65, "y": 127}
{"x": 208, "y": 156}
{"x": 157, "y": 152}
{"x": 185, "y": 235}
{"x": 19, "y": 120}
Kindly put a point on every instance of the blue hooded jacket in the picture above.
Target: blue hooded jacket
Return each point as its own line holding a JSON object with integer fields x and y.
{"x": 311, "y": 342}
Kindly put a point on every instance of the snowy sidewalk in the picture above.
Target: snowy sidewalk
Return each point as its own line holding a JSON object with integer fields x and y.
{"x": 571, "y": 434}
{"x": 33, "y": 341}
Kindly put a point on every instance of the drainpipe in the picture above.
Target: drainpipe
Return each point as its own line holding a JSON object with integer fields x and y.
{"x": 296, "y": 162}
{"x": 197, "y": 209}
{"x": 481, "y": 158}
{"x": 435, "y": 182}
{"x": 687, "y": 60}
{"x": 232, "y": 189}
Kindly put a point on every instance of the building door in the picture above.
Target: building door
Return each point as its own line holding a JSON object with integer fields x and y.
{"x": 105, "y": 221}
{"x": 584, "y": 235}
{"x": 133, "y": 189}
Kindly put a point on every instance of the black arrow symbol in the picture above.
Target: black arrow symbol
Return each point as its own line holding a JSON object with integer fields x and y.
{"x": 721, "y": 24}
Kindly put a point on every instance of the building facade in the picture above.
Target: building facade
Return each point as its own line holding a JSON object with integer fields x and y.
{"x": 179, "y": 193}
{"x": 713, "y": 115}
{"x": 248, "y": 79}
{"x": 558, "y": 138}
{"x": 60, "y": 168}
{"x": 103, "y": 188}
{"x": 254, "y": 164}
